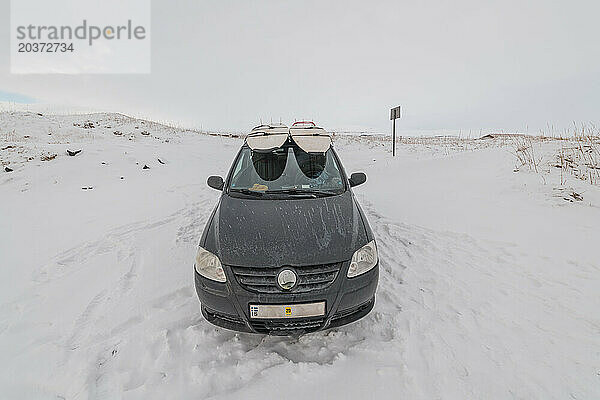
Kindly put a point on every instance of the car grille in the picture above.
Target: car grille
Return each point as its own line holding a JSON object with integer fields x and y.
{"x": 286, "y": 326}
{"x": 263, "y": 279}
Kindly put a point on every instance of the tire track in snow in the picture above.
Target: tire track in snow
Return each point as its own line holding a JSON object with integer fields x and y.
{"x": 116, "y": 240}
{"x": 113, "y": 242}
{"x": 473, "y": 310}
{"x": 179, "y": 347}
{"x": 445, "y": 324}
{"x": 85, "y": 323}
{"x": 93, "y": 332}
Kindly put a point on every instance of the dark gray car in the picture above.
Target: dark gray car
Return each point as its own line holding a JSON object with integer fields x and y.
{"x": 287, "y": 249}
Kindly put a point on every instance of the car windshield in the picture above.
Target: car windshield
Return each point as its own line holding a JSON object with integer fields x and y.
{"x": 288, "y": 170}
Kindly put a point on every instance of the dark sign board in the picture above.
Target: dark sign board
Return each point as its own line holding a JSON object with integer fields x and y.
{"x": 394, "y": 115}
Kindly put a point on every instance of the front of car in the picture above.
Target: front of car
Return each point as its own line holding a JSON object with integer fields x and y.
{"x": 287, "y": 249}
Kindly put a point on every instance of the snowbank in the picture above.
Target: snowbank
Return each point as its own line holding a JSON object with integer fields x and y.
{"x": 489, "y": 282}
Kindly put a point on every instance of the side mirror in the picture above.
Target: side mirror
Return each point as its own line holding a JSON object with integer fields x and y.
{"x": 215, "y": 182}
{"x": 357, "y": 178}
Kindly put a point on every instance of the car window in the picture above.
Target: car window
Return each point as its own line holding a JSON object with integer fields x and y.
{"x": 287, "y": 168}
{"x": 269, "y": 165}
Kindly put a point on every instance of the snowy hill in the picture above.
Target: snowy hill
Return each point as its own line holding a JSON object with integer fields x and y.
{"x": 488, "y": 290}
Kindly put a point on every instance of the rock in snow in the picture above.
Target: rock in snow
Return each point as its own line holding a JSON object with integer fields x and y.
{"x": 73, "y": 153}
{"x": 48, "y": 157}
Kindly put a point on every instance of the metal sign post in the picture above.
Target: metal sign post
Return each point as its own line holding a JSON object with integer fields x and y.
{"x": 394, "y": 115}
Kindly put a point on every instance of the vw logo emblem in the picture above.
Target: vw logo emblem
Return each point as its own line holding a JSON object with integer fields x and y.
{"x": 286, "y": 279}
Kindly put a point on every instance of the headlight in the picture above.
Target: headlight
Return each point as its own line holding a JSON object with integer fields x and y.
{"x": 363, "y": 259}
{"x": 209, "y": 266}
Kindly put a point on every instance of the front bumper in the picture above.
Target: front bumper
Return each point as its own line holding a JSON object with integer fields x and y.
{"x": 228, "y": 304}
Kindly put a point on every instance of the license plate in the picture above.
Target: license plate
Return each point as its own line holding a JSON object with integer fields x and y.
{"x": 274, "y": 311}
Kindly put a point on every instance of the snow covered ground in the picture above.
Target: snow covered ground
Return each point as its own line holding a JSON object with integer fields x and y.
{"x": 489, "y": 284}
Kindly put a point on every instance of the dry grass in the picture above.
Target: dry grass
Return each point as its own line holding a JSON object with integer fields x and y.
{"x": 8, "y": 136}
{"x": 576, "y": 155}
{"x": 580, "y": 158}
{"x": 524, "y": 150}
{"x": 435, "y": 145}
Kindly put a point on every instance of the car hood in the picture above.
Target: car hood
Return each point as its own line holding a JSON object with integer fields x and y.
{"x": 250, "y": 232}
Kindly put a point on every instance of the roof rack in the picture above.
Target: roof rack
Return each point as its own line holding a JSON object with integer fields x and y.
{"x": 306, "y": 134}
{"x": 304, "y": 124}
{"x": 268, "y": 127}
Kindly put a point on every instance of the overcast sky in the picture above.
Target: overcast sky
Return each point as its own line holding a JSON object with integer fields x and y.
{"x": 450, "y": 64}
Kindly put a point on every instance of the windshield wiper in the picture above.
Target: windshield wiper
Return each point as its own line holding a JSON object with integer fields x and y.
{"x": 247, "y": 191}
{"x": 304, "y": 192}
